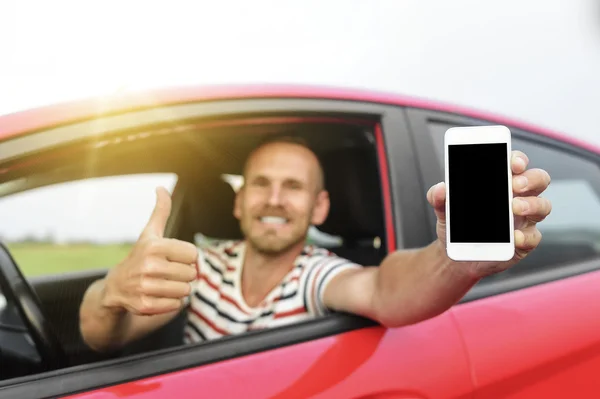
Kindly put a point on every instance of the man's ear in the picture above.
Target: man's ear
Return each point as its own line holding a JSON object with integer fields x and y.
{"x": 237, "y": 205}
{"x": 321, "y": 209}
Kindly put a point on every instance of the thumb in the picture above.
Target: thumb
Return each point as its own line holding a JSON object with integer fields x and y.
{"x": 162, "y": 210}
{"x": 437, "y": 198}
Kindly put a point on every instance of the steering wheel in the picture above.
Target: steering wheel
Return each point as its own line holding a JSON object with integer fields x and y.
{"x": 17, "y": 291}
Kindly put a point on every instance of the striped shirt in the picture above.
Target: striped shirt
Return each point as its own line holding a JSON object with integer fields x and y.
{"x": 217, "y": 308}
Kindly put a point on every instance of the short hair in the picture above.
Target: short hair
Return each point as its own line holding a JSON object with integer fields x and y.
{"x": 289, "y": 139}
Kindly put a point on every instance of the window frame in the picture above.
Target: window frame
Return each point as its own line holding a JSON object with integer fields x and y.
{"x": 403, "y": 231}
{"x": 432, "y": 168}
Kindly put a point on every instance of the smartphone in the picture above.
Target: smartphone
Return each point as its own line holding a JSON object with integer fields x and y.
{"x": 479, "y": 217}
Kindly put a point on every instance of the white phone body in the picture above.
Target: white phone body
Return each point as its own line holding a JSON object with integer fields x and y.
{"x": 478, "y": 176}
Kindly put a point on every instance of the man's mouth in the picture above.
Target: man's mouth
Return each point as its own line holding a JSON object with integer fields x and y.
{"x": 273, "y": 220}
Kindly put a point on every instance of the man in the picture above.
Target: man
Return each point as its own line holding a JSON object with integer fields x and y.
{"x": 272, "y": 277}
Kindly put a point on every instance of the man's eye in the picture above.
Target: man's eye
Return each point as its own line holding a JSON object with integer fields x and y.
{"x": 260, "y": 183}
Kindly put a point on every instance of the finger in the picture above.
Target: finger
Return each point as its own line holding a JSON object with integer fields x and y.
{"x": 527, "y": 239}
{"x": 532, "y": 182}
{"x": 519, "y": 162}
{"x": 161, "y": 288}
{"x": 160, "y": 215}
{"x": 173, "y": 271}
{"x": 534, "y": 208}
{"x": 152, "y": 305}
{"x": 174, "y": 250}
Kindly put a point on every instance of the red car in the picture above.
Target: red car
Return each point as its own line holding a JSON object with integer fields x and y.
{"x": 530, "y": 332}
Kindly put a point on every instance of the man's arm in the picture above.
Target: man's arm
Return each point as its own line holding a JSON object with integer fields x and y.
{"x": 408, "y": 287}
{"x": 144, "y": 291}
{"x": 413, "y": 285}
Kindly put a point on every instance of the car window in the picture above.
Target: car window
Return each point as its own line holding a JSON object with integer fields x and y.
{"x": 78, "y": 225}
{"x": 572, "y": 231}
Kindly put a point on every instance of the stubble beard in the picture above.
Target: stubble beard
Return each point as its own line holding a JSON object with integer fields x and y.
{"x": 271, "y": 245}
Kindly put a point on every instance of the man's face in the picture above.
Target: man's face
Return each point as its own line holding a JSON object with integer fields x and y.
{"x": 281, "y": 197}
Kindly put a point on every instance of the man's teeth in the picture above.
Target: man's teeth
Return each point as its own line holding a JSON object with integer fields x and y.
{"x": 273, "y": 220}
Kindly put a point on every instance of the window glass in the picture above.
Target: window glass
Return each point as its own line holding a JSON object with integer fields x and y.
{"x": 572, "y": 231}
{"x": 78, "y": 225}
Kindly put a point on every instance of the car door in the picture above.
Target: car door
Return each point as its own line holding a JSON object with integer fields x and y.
{"x": 532, "y": 331}
{"x": 336, "y": 356}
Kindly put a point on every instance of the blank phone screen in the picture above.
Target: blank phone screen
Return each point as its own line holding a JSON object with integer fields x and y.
{"x": 478, "y": 193}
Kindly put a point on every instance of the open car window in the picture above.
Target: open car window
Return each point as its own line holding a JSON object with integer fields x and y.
{"x": 572, "y": 232}
{"x": 78, "y": 225}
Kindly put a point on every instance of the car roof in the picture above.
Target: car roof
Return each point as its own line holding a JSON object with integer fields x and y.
{"x": 36, "y": 119}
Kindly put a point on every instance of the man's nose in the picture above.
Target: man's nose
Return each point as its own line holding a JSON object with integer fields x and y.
{"x": 275, "y": 196}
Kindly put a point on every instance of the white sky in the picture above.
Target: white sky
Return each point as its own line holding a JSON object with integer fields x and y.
{"x": 536, "y": 60}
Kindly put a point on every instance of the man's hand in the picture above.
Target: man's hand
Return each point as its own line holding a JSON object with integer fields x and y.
{"x": 528, "y": 208}
{"x": 155, "y": 277}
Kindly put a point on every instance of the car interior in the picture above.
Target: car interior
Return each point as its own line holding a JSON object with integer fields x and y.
{"x": 39, "y": 323}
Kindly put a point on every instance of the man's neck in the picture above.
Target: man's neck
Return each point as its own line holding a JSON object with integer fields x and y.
{"x": 262, "y": 272}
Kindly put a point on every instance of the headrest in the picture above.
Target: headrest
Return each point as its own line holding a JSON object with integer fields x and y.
{"x": 209, "y": 209}
{"x": 352, "y": 179}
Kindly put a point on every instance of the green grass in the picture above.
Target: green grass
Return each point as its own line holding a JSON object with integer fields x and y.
{"x": 44, "y": 259}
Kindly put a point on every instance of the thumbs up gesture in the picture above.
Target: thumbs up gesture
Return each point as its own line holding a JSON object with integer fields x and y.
{"x": 155, "y": 277}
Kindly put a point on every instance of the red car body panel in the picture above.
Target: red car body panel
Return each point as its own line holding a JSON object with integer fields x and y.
{"x": 421, "y": 361}
{"x": 540, "y": 342}
{"x": 525, "y": 344}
